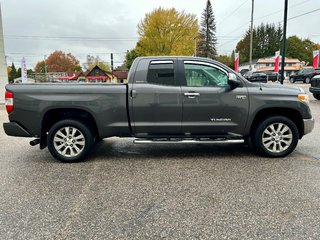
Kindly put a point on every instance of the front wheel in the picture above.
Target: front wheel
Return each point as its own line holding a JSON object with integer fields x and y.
{"x": 70, "y": 141}
{"x": 276, "y": 137}
{"x": 316, "y": 96}
{"x": 292, "y": 80}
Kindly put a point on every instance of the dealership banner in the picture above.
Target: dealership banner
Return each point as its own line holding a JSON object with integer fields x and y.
{"x": 24, "y": 71}
{"x": 276, "y": 61}
{"x": 236, "y": 62}
{"x": 315, "y": 59}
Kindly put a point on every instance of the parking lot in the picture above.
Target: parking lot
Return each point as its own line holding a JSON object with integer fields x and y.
{"x": 127, "y": 191}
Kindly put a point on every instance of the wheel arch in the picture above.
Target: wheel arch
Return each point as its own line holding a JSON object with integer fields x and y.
{"x": 53, "y": 116}
{"x": 292, "y": 114}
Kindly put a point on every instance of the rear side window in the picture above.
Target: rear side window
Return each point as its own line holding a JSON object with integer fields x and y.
{"x": 161, "y": 73}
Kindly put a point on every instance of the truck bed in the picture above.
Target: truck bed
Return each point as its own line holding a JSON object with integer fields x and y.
{"x": 107, "y": 103}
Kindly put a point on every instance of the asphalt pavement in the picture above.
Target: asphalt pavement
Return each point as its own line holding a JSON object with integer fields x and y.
{"x": 127, "y": 191}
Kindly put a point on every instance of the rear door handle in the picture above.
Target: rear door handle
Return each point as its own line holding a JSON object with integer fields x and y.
{"x": 192, "y": 94}
{"x": 133, "y": 93}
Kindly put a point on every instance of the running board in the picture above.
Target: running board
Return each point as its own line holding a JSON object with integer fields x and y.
{"x": 192, "y": 141}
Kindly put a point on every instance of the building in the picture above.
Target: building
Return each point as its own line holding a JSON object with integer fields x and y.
{"x": 292, "y": 65}
{"x": 96, "y": 75}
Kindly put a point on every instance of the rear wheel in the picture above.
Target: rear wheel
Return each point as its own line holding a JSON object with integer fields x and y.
{"x": 70, "y": 141}
{"x": 316, "y": 96}
{"x": 276, "y": 137}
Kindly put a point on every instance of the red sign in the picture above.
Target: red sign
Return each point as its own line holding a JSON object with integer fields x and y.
{"x": 276, "y": 61}
{"x": 315, "y": 59}
{"x": 236, "y": 62}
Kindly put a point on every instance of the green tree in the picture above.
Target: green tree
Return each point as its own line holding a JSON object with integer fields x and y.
{"x": 266, "y": 41}
{"x": 130, "y": 57}
{"x": 12, "y": 74}
{"x": 167, "y": 32}
{"x": 301, "y": 49}
{"x": 206, "y": 43}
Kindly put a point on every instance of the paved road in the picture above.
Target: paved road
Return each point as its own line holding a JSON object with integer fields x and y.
{"x": 126, "y": 191}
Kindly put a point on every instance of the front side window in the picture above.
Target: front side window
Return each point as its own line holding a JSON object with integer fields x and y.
{"x": 204, "y": 76}
{"x": 161, "y": 73}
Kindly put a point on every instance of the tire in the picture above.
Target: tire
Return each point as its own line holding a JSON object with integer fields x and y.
{"x": 70, "y": 141}
{"x": 316, "y": 96}
{"x": 276, "y": 136}
{"x": 292, "y": 80}
{"x": 307, "y": 80}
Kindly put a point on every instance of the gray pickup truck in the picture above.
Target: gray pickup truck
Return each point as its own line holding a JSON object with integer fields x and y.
{"x": 166, "y": 100}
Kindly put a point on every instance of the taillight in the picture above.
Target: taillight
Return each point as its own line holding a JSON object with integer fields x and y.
{"x": 9, "y": 101}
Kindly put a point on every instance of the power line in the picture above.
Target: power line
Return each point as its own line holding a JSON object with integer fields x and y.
{"x": 303, "y": 14}
{"x": 281, "y": 10}
{"x": 241, "y": 26}
{"x": 230, "y": 14}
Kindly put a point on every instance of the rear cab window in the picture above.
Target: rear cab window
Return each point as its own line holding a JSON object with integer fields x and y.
{"x": 161, "y": 72}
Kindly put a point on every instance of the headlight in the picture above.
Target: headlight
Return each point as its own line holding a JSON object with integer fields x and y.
{"x": 303, "y": 98}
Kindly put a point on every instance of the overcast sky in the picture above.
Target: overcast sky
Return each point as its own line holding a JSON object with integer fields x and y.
{"x": 34, "y": 28}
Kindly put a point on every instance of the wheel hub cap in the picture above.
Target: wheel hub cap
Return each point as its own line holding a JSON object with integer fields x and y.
{"x": 277, "y": 137}
{"x": 69, "y": 141}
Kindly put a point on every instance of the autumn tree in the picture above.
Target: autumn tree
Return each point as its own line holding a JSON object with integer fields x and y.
{"x": 226, "y": 59}
{"x": 40, "y": 67}
{"x": 93, "y": 61}
{"x": 59, "y": 61}
{"x": 167, "y": 32}
{"x": 266, "y": 41}
{"x": 206, "y": 42}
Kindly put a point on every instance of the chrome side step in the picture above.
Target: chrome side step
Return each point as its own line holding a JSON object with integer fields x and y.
{"x": 186, "y": 141}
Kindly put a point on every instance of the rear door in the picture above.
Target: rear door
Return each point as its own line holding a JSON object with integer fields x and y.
{"x": 210, "y": 106}
{"x": 156, "y": 99}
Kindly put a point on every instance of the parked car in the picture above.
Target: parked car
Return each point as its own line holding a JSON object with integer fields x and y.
{"x": 256, "y": 76}
{"x": 304, "y": 75}
{"x": 174, "y": 100}
{"x": 315, "y": 87}
{"x": 271, "y": 75}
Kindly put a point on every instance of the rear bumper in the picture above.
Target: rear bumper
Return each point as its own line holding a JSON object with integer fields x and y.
{"x": 314, "y": 89}
{"x": 16, "y": 130}
{"x": 308, "y": 125}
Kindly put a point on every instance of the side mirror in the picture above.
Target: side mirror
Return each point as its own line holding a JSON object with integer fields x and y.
{"x": 233, "y": 80}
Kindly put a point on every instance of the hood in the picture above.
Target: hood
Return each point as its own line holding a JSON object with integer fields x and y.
{"x": 279, "y": 88}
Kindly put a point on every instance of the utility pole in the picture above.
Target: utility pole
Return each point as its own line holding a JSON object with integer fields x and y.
{"x": 284, "y": 39}
{"x": 251, "y": 36}
{"x": 45, "y": 66}
{"x": 3, "y": 64}
{"x": 111, "y": 55}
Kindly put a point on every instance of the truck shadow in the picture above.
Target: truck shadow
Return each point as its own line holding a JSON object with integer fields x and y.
{"x": 122, "y": 149}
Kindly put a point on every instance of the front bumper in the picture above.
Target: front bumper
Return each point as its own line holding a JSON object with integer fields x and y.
{"x": 308, "y": 125}
{"x": 314, "y": 89}
{"x": 16, "y": 130}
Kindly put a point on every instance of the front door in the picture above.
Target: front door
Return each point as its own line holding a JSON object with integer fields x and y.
{"x": 210, "y": 105}
{"x": 157, "y": 100}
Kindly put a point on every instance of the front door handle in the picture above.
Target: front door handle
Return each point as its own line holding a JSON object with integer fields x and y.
{"x": 192, "y": 94}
